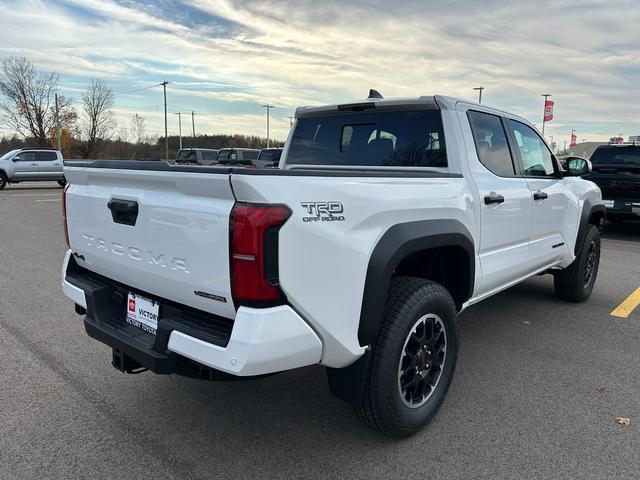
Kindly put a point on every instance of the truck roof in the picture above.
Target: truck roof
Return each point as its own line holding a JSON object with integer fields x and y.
{"x": 427, "y": 102}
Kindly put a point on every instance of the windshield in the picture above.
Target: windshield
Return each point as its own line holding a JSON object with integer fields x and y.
{"x": 8, "y": 154}
{"x": 384, "y": 139}
{"x": 617, "y": 156}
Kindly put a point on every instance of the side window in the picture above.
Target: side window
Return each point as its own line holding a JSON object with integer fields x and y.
{"x": 537, "y": 160}
{"x": 26, "y": 157}
{"x": 46, "y": 156}
{"x": 491, "y": 143}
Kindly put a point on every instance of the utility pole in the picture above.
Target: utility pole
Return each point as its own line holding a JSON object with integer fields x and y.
{"x": 58, "y": 133}
{"x": 268, "y": 107}
{"x": 544, "y": 112}
{"x": 193, "y": 126}
{"x": 179, "y": 127}
{"x": 479, "y": 89}
{"x": 166, "y": 137}
{"x": 291, "y": 121}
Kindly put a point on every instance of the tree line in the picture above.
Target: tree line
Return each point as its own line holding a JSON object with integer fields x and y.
{"x": 31, "y": 107}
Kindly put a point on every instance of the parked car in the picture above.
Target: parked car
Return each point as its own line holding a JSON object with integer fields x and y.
{"x": 269, "y": 158}
{"x": 616, "y": 170}
{"x": 238, "y": 156}
{"x": 197, "y": 156}
{"x": 386, "y": 219}
{"x": 31, "y": 164}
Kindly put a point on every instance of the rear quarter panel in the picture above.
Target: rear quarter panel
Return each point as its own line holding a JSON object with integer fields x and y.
{"x": 323, "y": 264}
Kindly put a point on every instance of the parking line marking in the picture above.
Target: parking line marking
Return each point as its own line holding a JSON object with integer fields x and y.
{"x": 49, "y": 200}
{"x": 625, "y": 308}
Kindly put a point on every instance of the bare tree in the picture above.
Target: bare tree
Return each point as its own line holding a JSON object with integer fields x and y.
{"x": 137, "y": 132}
{"x": 99, "y": 117}
{"x": 137, "y": 128}
{"x": 28, "y": 106}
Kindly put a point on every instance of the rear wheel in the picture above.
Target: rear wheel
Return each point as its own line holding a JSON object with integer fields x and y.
{"x": 62, "y": 182}
{"x": 413, "y": 358}
{"x": 3, "y": 180}
{"x": 575, "y": 283}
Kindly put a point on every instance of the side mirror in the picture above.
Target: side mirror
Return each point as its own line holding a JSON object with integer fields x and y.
{"x": 578, "y": 166}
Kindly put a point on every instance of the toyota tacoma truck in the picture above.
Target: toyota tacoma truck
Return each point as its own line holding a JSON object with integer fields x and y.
{"x": 386, "y": 219}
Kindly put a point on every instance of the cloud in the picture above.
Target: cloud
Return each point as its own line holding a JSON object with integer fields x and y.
{"x": 227, "y": 57}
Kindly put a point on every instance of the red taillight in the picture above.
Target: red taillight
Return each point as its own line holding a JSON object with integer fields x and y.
{"x": 64, "y": 214}
{"x": 254, "y": 252}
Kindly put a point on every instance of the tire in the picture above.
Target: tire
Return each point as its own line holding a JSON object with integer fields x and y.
{"x": 575, "y": 283}
{"x": 62, "y": 182}
{"x": 3, "y": 181}
{"x": 385, "y": 405}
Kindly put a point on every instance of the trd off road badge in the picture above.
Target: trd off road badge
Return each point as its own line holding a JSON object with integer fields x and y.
{"x": 323, "y": 212}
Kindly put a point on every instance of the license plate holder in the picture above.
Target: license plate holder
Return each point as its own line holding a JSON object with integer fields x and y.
{"x": 143, "y": 313}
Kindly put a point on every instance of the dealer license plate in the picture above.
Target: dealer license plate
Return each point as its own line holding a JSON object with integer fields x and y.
{"x": 143, "y": 313}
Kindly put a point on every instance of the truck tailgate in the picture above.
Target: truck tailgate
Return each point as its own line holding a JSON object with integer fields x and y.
{"x": 176, "y": 247}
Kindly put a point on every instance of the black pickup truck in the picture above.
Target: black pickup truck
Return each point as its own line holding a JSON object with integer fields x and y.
{"x": 616, "y": 170}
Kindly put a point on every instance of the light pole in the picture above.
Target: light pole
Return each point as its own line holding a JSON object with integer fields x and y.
{"x": 166, "y": 138}
{"x": 179, "y": 127}
{"x": 268, "y": 107}
{"x": 193, "y": 126}
{"x": 479, "y": 89}
{"x": 544, "y": 111}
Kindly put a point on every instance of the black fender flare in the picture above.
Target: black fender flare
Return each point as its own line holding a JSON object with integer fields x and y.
{"x": 397, "y": 242}
{"x": 588, "y": 209}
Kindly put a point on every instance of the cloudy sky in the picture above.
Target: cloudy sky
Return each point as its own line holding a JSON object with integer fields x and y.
{"x": 225, "y": 58}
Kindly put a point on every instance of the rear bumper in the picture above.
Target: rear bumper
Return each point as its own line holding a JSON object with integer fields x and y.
{"x": 257, "y": 342}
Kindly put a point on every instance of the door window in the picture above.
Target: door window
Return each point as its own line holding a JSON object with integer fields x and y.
{"x": 537, "y": 160}
{"x": 46, "y": 156}
{"x": 25, "y": 157}
{"x": 491, "y": 143}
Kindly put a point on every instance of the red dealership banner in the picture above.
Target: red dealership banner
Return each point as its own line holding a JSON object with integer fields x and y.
{"x": 548, "y": 110}
{"x": 574, "y": 140}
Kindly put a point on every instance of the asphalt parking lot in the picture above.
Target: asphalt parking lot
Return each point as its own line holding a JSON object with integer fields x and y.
{"x": 524, "y": 402}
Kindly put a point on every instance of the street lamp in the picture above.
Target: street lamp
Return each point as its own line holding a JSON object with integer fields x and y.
{"x": 179, "y": 127}
{"x": 268, "y": 107}
{"x": 479, "y": 89}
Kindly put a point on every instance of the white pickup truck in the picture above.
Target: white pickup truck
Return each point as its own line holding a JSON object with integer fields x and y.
{"x": 386, "y": 218}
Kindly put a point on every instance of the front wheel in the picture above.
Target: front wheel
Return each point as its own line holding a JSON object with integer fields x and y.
{"x": 3, "y": 181}
{"x": 575, "y": 283}
{"x": 62, "y": 182}
{"x": 413, "y": 358}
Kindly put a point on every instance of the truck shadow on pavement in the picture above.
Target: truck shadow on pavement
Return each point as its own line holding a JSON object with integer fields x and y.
{"x": 508, "y": 364}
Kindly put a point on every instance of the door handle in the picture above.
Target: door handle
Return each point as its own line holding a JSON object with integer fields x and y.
{"x": 540, "y": 195}
{"x": 34, "y": 164}
{"x": 493, "y": 197}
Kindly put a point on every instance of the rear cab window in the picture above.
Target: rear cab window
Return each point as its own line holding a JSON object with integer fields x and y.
{"x": 375, "y": 139}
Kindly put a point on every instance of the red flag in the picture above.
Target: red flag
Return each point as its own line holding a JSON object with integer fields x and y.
{"x": 574, "y": 140}
{"x": 548, "y": 110}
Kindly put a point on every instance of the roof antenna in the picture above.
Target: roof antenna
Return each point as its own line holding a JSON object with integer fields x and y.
{"x": 374, "y": 94}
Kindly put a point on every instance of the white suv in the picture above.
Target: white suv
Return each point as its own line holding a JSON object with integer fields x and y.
{"x": 31, "y": 164}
